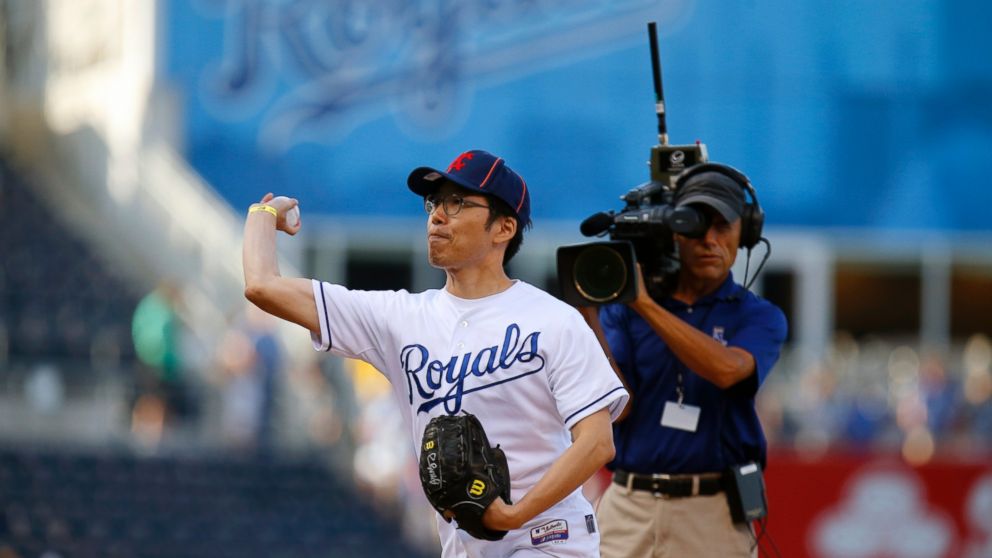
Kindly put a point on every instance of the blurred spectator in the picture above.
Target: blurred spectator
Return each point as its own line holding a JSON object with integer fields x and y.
{"x": 942, "y": 395}
{"x": 880, "y": 395}
{"x": 164, "y": 398}
{"x": 250, "y": 360}
{"x": 977, "y": 389}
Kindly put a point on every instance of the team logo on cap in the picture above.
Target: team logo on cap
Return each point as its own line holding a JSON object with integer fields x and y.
{"x": 459, "y": 163}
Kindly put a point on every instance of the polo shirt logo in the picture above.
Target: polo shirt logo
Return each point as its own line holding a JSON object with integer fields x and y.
{"x": 718, "y": 335}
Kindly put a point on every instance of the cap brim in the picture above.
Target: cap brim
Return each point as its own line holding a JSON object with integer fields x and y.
{"x": 716, "y": 203}
{"x": 424, "y": 181}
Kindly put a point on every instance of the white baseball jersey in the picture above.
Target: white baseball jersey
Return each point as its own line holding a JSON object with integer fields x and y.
{"x": 525, "y": 363}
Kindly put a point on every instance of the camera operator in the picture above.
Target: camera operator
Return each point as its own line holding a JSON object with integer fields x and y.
{"x": 693, "y": 360}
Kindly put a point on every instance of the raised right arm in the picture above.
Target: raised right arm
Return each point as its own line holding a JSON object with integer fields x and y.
{"x": 284, "y": 297}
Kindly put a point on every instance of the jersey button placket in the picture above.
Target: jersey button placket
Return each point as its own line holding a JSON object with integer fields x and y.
{"x": 460, "y": 334}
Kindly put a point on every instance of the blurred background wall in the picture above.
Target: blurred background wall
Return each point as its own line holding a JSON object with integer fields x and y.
{"x": 134, "y": 134}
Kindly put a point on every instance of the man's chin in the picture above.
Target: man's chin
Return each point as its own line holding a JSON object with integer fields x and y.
{"x": 711, "y": 272}
{"x": 436, "y": 260}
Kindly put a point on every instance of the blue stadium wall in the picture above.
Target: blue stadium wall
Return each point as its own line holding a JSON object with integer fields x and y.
{"x": 854, "y": 113}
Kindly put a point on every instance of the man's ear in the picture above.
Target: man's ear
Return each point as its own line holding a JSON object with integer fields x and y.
{"x": 507, "y": 229}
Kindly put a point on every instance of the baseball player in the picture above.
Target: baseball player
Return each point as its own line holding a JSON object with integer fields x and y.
{"x": 524, "y": 363}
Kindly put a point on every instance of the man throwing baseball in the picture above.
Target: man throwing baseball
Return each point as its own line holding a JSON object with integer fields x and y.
{"x": 522, "y": 362}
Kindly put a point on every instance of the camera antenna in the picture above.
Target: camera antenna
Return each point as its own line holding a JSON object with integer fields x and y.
{"x": 659, "y": 94}
{"x": 667, "y": 161}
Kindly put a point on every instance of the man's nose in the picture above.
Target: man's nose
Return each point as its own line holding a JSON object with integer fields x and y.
{"x": 710, "y": 235}
{"x": 438, "y": 215}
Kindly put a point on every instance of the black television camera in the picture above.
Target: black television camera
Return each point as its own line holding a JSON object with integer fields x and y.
{"x": 605, "y": 272}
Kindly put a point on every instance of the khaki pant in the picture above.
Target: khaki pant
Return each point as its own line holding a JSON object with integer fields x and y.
{"x": 636, "y": 524}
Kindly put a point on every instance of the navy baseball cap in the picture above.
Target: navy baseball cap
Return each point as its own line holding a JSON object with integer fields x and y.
{"x": 716, "y": 190}
{"x": 479, "y": 171}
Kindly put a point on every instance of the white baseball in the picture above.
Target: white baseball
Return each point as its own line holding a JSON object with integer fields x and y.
{"x": 293, "y": 216}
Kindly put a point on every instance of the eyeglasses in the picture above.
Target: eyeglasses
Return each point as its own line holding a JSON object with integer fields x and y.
{"x": 452, "y": 204}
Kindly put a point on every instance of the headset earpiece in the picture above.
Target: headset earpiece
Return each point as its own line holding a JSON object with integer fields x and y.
{"x": 751, "y": 224}
{"x": 753, "y": 218}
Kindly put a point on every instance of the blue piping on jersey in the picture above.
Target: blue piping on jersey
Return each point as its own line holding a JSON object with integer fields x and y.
{"x": 427, "y": 406}
{"x": 605, "y": 395}
{"x": 327, "y": 320}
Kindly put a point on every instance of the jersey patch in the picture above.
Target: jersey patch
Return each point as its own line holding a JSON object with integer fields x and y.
{"x": 553, "y": 531}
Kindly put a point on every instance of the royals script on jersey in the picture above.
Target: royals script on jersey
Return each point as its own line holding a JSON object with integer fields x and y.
{"x": 522, "y": 361}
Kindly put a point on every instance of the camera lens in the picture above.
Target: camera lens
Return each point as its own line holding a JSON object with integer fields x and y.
{"x": 600, "y": 273}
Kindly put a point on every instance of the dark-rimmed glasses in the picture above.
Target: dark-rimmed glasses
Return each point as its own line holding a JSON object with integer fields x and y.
{"x": 452, "y": 204}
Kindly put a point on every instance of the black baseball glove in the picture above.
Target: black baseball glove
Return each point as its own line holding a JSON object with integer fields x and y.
{"x": 461, "y": 474}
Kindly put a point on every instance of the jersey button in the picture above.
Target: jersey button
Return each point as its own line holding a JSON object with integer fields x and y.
{"x": 461, "y": 345}
{"x": 464, "y": 323}
{"x": 689, "y": 310}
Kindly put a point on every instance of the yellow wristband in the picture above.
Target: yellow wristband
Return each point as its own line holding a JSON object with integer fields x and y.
{"x": 263, "y": 207}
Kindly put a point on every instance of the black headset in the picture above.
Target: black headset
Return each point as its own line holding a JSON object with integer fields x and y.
{"x": 753, "y": 218}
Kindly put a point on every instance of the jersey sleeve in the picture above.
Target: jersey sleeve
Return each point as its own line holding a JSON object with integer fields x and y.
{"x": 353, "y": 324}
{"x": 581, "y": 379}
{"x": 762, "y": 334}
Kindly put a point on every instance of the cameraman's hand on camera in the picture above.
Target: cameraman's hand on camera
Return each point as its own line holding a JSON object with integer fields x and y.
{"x": 643, "y": 299}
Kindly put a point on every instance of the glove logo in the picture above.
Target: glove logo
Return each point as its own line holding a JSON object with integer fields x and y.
{"x": 429, "y": 445}
{"x": 433, "y": 470}
{"x": 463, "y": 474}
{"x": 477, "y": 488}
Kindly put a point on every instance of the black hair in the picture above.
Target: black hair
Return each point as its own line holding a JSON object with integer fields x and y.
{"x": 499, "y": 208}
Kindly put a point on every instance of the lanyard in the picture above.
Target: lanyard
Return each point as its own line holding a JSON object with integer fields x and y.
{"x": 679, "y": 380}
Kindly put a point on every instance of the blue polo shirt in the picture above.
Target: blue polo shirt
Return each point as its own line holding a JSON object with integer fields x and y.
{"x": 728, "y": 431}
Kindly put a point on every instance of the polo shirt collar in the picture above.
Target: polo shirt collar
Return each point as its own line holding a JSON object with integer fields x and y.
{"x": 726, "y": 292}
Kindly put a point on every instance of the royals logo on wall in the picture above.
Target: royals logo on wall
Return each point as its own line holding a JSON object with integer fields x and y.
{"x": 318, "y": 68}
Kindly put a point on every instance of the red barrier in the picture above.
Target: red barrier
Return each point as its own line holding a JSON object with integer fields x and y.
{"x": 865, "y": 506}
